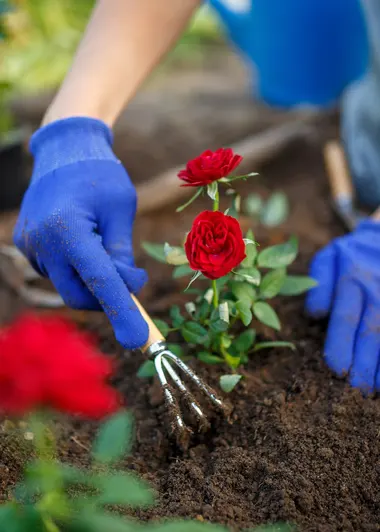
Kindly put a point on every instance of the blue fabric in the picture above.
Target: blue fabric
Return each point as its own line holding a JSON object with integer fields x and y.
{"x": 361, "y": 117}
{"x": 348, "y": 273}
{"x": 76, "y": 221}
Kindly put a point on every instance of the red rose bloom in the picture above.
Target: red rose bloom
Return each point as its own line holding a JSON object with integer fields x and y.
{"x": 209, "y": 166}
{"x": 46, "y": 362}
{"x": 215, "y": 244}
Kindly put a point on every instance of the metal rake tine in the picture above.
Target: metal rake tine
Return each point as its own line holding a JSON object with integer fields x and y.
{"x": 197, "y": 380}
{"x": 169, "y": 397}
{"x": 182, "y": 388}
{"x": 157, "y": 350}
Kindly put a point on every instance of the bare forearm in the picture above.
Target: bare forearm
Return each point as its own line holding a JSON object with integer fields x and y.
{"x": 123, "y": 42}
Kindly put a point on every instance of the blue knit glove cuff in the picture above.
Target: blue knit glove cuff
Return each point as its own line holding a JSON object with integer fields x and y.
{"x": 69, "y": 141}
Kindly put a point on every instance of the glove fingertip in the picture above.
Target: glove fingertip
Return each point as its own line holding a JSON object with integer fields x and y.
{"x": 135, "y": 335}
{"x": 334, "y": 361}
{"x": 357, "y": 380}
{"x": 322, "y": 269}
{"x": 137, "y": 280}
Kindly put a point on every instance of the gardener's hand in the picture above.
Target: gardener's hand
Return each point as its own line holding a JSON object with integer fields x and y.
{"x": 348, "y": 273}
{"x": 76, "y": 220}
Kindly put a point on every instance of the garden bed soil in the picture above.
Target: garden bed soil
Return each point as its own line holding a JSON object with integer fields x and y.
{"x": 303, "y": 447}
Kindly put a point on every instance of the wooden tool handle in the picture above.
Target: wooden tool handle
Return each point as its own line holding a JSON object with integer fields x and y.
{"x": 337, "y": 171}
{"x": 154, "y": 333}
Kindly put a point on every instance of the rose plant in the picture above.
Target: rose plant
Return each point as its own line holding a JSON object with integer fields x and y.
{"x": 48, "y": 367}
{"x": 218, "y": 320}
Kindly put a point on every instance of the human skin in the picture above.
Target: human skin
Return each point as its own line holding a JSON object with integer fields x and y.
{"x": 123, "y": 42}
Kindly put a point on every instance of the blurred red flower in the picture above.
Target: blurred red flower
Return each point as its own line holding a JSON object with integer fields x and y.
{"x": 47, "y": 362}
{"x": 209, "y": 166}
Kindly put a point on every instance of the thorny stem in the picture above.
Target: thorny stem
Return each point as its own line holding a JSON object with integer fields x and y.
{"x": 215, "y": 298}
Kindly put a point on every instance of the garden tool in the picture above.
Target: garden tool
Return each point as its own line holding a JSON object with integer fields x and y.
{"x": 164, "y": 360}
{"x": 341, "y": 187}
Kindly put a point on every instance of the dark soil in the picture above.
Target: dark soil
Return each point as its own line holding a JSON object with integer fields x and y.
{"x": 303, "y": 447}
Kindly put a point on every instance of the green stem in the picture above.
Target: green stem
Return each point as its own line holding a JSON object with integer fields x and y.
{"x": 216, "y": 201}
{"x": 50, "y": 526}
{"x": 44, "y": 441}
{"x": 216, "y": 294}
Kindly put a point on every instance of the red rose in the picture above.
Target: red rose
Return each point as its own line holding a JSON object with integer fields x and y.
{"x": 209, "y": 166}
{"x": 46, "y": 362}
{"x": 215, "y": 244}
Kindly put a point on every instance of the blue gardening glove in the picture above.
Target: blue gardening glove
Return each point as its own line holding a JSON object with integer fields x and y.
{"x": 75, "y": 224}
{"x": 348, "y": 273}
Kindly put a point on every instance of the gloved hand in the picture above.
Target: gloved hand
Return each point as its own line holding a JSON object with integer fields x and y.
{"x": 75, "y": 224}
{"x": 348, "y": 273}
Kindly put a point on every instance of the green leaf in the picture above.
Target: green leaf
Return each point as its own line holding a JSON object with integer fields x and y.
{"x": 124, "y": 489}
{"x": 250, "y": 251}
{"x": 253, "y": 205}
{"x": 236, "y": 177}
{"x": 272, "y": 283}
{"x": 176, "y": 316}
{"x": 72, "y": 475}
{"x": 194, "y": 333}
{"x": 114, "y": 439}
{"x": 275, "y": 210}
{"x": 224, "y": 312}
{"x": 190, "y": 308}
{"x": 96, "y": 521}
{"x": 219, "y": 326}
{"x": 295, "y": 285}
{"x": 176, "y": 349}
{"x": 278, "y": 256}
{"x": 228, "y": 382}
{"x": 251, "y": 254}
{"x": 212, "y": 190}
{"x": 163, "y": 327}
{"x": 251, "y": 275}
{"x": 244, "y": 309}
{"x": 20, "y": 518}
{"x": 245, "y": 341}
{"x": 147, "y": 370}
{"x": 203, "y": 309}
{"x": 222, "y": 281}
{"x": 243, "y": 291}
{"x": 182, "y": 271}
{"x": 194, "y": 278}
{"x": 232, "y": 308}
{"x": 156, "y": 251}
{"x": 232, "y": 361}
{"x": 175, "y": 256}
{"x": 266, "y": 315}
{"x": 267, "y": 345}
{"x": 209, "y": 358}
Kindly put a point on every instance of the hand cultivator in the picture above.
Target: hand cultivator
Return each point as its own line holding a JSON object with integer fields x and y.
{"x": 164, "y": 360}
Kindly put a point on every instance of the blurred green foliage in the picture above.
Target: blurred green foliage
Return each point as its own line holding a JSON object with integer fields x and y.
{"x": 5, "y": 88}
{"x": 42, "y": 36}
